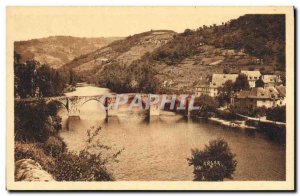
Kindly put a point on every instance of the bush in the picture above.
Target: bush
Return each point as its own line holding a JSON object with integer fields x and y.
{"x": 82, "y": 167}
{"x": 88, "y": 165}
{"x": 214, "y": 163}
{"x": 208, "y": 106}
{"x": 252, "y": 112}
{"x": 54, "y": 146}
{"x": 277, "y": 114}
{"x": 35, "y": 122}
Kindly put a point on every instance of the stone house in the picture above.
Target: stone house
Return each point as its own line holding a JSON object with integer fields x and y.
{"x": 260, "y": 97}
{"x": 217, "y": 81}
{"x": 252, "y": 77}
{"x": 270, "y": 80}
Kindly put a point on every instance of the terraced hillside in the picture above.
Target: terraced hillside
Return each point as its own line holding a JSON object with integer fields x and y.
{"x": 247, "y": 43}
{"x": 160, "y": 61}
{"x": 121, "y": 53}
{"x": 196, "y": 70}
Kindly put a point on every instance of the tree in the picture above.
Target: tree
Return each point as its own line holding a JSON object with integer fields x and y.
{"x": 241, "y": 83}
{"x": 72, "y": 77}
{"x": 208, "y": 106}
{"x": 277, "y": 114}
{"x": 187, "y": 32}
{"x": 35, "y": 121}
{"x": 215, "y": 163}
{"x": 24, "y": 77}
{"x": 259, "y": 82}
{"x": 32, "y": 79}
{"x": 225, "y": 92}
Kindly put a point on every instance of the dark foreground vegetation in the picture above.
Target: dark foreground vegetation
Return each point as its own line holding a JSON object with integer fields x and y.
{"x": 214, "y": 163}
{"x": 36, "y": 137}
{"x": 37, "y": 127}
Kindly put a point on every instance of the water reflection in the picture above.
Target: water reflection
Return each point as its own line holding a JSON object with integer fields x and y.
{"x": 158, "y": 148}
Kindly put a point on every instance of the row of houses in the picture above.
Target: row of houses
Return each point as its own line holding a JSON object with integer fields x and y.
{"x": 270, "y": 93}
{"x": 267, "y": 97}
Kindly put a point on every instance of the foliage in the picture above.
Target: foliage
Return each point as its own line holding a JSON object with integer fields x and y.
{"x": 34, "y": 121}
{"x": 226, "y": 70}
{"x": 215, "y": 163}
{"x": 253, "y": 112}
{"x": 182, "y": 46}
{"x": 277, "y": 114}
{"x": 262, "y": 36}
{"x": 34, "y": 80}
{"x": 54, "y": 146}
{"x": 73, "y": 78}
{"x": 88, "y": 165}
{"x": 208, "y": 106}
{"x": 82, "y": 167}
{"x": 225, "y": 92}
{"x": 259, "y": 82}
{"x": 241, "y": 83}
{"x": 138, "y": 77}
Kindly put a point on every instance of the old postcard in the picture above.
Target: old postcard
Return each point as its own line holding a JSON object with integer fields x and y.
{"x": 150, "y": 98}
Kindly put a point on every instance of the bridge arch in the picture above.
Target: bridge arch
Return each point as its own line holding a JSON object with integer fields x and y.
{"x": 92, "y": 99}
{"x": 60, "y": 103}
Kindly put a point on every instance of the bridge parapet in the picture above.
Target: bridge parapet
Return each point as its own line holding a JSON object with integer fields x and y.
{"x": 73, "y": 104}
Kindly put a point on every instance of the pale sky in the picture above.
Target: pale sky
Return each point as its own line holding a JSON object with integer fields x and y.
{"x": 37, "y": 22}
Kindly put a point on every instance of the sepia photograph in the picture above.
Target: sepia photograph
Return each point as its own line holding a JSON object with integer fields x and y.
{"x": 150, "y": 98}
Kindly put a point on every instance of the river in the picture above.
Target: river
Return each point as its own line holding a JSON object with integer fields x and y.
{"x": 158, "y": 150}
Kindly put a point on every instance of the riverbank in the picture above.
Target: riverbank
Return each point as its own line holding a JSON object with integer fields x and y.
{"x": 233, "y": 124}
{"x": 274, "y": 130}
{"x": 42, "y": 146}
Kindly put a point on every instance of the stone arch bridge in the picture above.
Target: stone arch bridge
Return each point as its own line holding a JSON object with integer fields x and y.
{"x": 73, "y": 103}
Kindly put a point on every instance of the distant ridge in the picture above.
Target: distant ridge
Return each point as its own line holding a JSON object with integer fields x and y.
{"x": 58, "y": 50}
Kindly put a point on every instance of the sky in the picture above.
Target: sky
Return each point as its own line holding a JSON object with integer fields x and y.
{"x": 37, "y": 22}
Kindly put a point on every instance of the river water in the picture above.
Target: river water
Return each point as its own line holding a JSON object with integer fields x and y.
{"x": 158, "y": 149}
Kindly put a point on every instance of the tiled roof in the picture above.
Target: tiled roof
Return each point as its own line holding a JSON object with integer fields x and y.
{"x": 252, "y": 75}
{"x": 270, "y": 78}
{"x": 259, "y": 93}
{"x": 219, "y": 80}
{"x": 281, "y": 90}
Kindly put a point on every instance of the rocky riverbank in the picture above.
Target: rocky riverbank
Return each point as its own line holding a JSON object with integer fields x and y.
{"x": 30, "y": 170}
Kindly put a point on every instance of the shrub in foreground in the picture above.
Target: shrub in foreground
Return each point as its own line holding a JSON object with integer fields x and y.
{"x": 82, "y": 167}
{"x": 87, "y": 165}
{"x": 54, "y": 146}
{"x": 214, "y": 163}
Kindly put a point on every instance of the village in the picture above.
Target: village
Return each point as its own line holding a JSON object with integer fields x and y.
{"x": 262, "y": 97}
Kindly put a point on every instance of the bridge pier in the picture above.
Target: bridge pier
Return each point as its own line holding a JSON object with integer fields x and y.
{"x": 154, "y": 110}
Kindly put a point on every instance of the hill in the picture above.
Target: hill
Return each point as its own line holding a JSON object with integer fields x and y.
{"x": 262, "y": 36}
{"x": 58, "y": 50}
{"x": 247, "y": 43}
{"x": 120, "y": 54}
{"x": 165, "y": 61}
